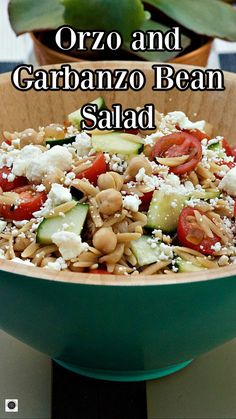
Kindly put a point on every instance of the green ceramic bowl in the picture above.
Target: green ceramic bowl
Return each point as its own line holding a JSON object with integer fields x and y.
{"x": 115, "y": 327}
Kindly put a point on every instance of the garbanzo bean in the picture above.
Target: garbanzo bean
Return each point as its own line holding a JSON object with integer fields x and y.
{"x": 109, "y": 201}
{"x": 57, "y": 176}
{"x": 30, "y": 136}
{"x": 54, "y": 131}
{"x": 147, "y": 151}
{"x": 105, "y": 240}
{"x": 110, "y": 180}
{"x": 137, "y": 163}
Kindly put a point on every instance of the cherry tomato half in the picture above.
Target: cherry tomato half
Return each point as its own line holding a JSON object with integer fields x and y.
{"x": 30, "y": 201}
{"x": 146, "y": 199}
{"x": 186, "y": 229}
{"x": 176, "y": 145}
{"x": 8, "y": 186}
{"x": 98, "y": 167}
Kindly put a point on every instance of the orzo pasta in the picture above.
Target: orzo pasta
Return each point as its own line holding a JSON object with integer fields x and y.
{"x": 118, "y": 202}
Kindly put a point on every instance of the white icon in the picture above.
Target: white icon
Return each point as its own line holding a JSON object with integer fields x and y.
{"x": 11, "y": 405}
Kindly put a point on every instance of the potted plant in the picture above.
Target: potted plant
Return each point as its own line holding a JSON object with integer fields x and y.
{"x": 200, "y": 21}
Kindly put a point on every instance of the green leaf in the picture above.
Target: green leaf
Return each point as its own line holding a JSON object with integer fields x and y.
{"x": 160, "y": 56}
{"x": 208, "y": 17}
{"x": 124, "y": 16}
{"x": 26, "y": 16}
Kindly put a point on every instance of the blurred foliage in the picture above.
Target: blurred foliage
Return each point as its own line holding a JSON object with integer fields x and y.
{"x": 212, "y": 18}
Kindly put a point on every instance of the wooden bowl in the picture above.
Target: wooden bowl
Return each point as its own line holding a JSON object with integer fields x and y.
{"x": 116, "y": 327}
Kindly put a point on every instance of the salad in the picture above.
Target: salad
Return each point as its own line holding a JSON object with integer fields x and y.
{"x": 126, "y": 202}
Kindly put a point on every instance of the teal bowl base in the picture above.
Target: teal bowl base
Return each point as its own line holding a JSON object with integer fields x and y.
{"x": 125, "y": 375}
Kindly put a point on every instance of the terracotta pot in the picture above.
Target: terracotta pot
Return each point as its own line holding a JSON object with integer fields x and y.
{"x": 46, "y": 55}
{"x": 197, "y": 57}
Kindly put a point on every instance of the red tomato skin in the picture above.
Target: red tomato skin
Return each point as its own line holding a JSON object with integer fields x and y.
{"x": 131, "y": 131}
{"x": 182, "y": 232}
{"x": 181, "y": 141}
{"x": 227, "y": 147}
{"x": 25, "y": 210}
{"x": 230, "y": 165}
{"x": 21, "y": 189}
{"x": 200, "y": 135}
{"x": 16, "y": 183}
{"x": 146, "y": 199}
{"x": 99, "y": 166}
{"x": 88, "y": 122}
{"x": 233, "y": 149}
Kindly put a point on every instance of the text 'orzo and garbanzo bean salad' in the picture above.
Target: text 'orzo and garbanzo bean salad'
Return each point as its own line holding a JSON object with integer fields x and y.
{"x": 118, "y": 202}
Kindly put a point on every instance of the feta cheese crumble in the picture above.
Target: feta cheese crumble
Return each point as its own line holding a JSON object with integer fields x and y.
{"x": 216, "y": 247}
{"x": 117, "y": 163}
{"x": 58, "y": 265}
{"x": 131, "y": 202}
{"x": 23, "y": 262}
{"x": 2, "y": 254}
{"x": 32, "y": 163}
{"x": 228, "y": 183}
{"x": 11, "y": 177}
{"x": 82, "y": 144}
{"x": 44, "y": 210}
{"x": 69, "y": 178}
{"x": 224, "y": 260}
{"x": 70, "y": 244}
{"x": 3, "y": 225}
{"x": 59, "y": 195}
{"x": 182, "y": 120}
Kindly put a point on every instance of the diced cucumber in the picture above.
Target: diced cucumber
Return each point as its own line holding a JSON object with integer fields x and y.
{"x": 117, "y": 143}
{"x": 205, "y": 194}
{"x": 215, "y": 146}
{"x": 72, "y": 221}
{"x": 164, "y": 211}
{"x": 143, "y": 251}
{"x": 187, "y": 266}
{"x": 75, "y": 117}
{"x": 54, "y": 141}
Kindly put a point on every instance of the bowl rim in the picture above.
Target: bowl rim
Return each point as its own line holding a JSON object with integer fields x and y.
{"x": 87, "y": 278}
{"x": 21, "y": 269}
